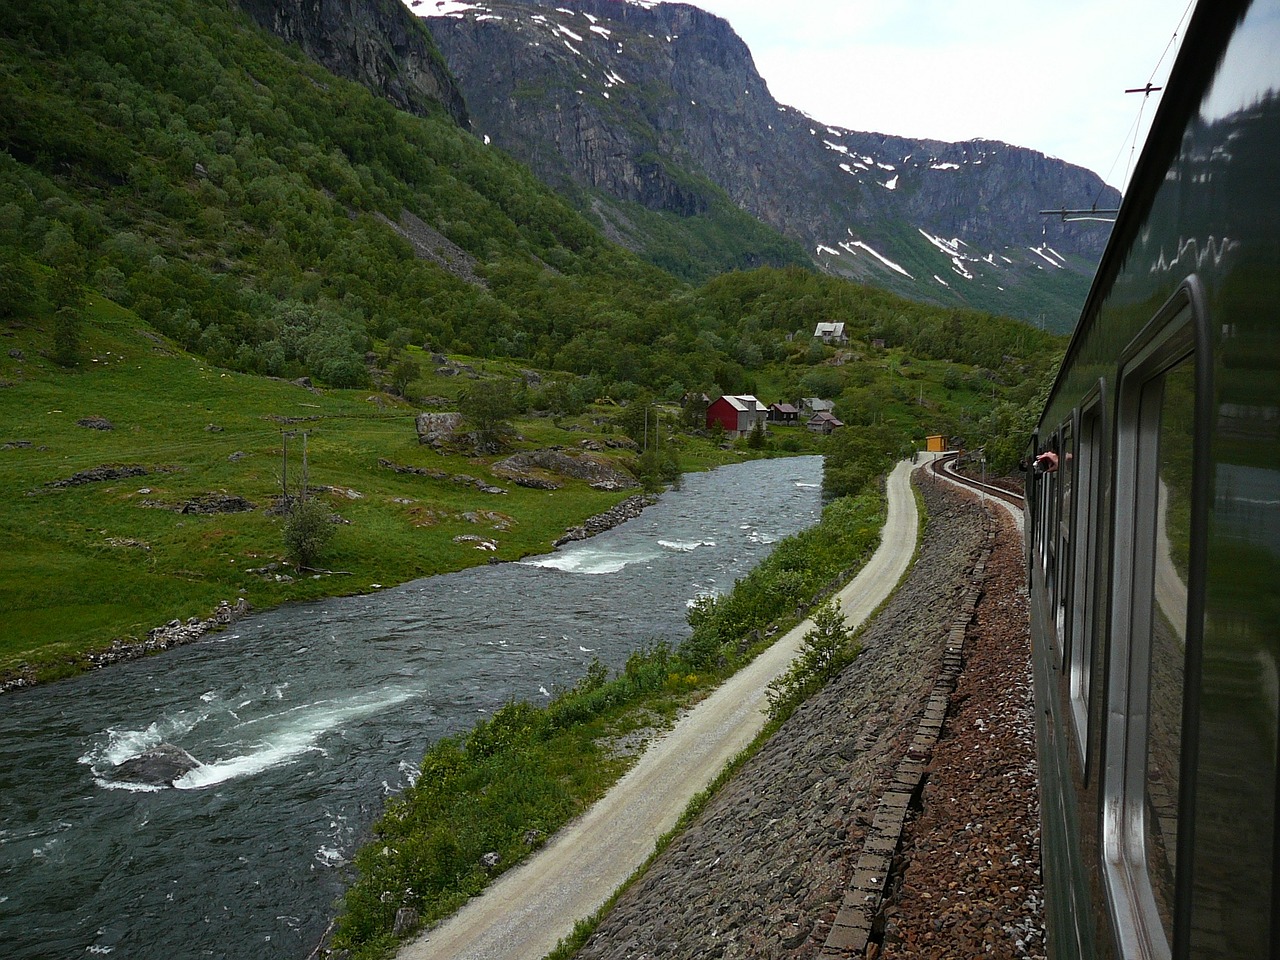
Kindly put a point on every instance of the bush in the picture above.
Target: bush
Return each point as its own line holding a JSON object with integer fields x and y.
{"x": 825, "y": 651}
{"x": 307, "y": 531}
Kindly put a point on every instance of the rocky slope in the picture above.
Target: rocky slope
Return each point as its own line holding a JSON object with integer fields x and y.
{"x": 635, "y": 107}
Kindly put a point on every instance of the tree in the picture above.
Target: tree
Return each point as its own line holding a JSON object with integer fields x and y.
{"x": 403, "y": 373}
{"x": 825, "y": 651}
{"x": 487, "y": 409}
{"x": 66, "y": 337}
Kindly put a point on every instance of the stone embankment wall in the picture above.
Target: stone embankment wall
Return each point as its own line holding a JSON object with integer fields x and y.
{"x": 173, "y": 634}
{"x": 628, "y": 509}
{"x": 763, "y": 871}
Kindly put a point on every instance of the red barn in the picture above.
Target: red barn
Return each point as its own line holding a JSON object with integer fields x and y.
{"x": 737, "y": 415}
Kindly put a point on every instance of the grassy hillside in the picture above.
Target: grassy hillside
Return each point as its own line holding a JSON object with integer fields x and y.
{"x": 86, "y": 563}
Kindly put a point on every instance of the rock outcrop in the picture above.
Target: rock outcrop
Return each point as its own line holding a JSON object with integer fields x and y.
{"x": 538, "y": 468}
{"x": 377, "y": 43}
{"x": 436, "y": 430}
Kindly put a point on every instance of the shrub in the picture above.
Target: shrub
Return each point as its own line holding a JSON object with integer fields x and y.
{"x": 825, "y": 651}
{"x": 307, "y": 531}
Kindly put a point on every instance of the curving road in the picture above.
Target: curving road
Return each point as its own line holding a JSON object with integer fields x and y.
{"x": 530, "y": 908}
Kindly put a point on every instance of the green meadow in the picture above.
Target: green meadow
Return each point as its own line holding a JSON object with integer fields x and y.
{"x": 86, "y": 564}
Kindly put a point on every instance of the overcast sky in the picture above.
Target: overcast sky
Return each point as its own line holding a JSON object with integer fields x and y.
{"x": 1045, "y": 74}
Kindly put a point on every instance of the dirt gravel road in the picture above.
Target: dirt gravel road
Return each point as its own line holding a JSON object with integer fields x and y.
{"x": 527, "y": 911}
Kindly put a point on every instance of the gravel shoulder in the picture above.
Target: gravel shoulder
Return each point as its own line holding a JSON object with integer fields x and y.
{"x": 968, "y": 881}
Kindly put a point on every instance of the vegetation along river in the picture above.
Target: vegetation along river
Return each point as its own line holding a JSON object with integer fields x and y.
{"x": 305, "y": 718}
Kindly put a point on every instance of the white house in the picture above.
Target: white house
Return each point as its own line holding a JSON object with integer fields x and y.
{"x": 831, "y": 333}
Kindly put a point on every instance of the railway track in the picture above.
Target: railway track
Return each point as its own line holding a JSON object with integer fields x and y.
{"x": 944, "y": 466}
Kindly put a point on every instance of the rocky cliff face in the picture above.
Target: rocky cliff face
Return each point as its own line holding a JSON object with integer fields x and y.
{"x": 375, "y": 42}
{"x": 659, "y": 104}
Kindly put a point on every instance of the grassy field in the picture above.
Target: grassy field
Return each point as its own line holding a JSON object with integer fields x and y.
{"x": 84, "y": 564}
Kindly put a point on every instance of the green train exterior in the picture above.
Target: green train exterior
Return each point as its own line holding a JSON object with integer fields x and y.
{"x": 1153, "y": 547}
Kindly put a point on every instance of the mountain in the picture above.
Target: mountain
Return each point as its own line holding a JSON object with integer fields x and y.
{"x": 650, "y": 115}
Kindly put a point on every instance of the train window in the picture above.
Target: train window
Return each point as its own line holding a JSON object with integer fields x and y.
{"x": 1148, "y": 637}
{"x": 1066, "y": 467}
{"x": 1084, "y": 571}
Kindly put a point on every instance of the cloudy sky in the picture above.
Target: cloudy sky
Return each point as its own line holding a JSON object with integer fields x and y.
{"x": 1046, "y": 74}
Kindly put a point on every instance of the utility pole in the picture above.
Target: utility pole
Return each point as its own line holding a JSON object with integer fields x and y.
{"x": 304, "y": 465}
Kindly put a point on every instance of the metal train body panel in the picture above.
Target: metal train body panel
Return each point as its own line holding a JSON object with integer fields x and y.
{"x": 1154, "y": 546}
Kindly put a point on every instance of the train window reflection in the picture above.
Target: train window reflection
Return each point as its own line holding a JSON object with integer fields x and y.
{"x": 1153, "y": 468}
{"x": 1168, "y": 630}
{"x": 1066, "y": 470}
{"x": 1088, "y": 464}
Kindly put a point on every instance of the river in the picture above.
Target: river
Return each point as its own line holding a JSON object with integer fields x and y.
{"x": 307, "y": 717}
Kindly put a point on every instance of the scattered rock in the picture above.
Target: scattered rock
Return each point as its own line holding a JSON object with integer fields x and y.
{"x": 481, "y": 543}
{"x": 237, "y": 456}
{"x": 206, "y": 503}
{"x": 470, "y": 481}
{"x": 491, "y": 860}
{"x": 97, "y": 475}
{"x": 17, "y": 354}
{"x": 16, "y": 445}
{"x": 95, "y": 423}
{"x": 213, "y": 428}
{"x": 416, "y": 471}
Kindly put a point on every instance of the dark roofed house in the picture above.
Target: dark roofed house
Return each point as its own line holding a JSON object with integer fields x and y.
{"x": 824, "y": 423}
{"x": 783, "y": 413}
{"x": 815, "y": 405}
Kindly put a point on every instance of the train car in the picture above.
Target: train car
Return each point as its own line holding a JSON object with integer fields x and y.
{"x": 1153, "y": 536}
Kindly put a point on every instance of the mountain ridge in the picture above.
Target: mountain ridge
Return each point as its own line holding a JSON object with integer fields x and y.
{"x": 660, "y": 105}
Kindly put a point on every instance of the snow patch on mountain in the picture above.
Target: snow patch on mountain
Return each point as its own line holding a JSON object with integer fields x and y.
{"x": 879, "y": 256}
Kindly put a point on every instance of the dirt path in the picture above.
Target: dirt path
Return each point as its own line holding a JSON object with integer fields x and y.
{"x": 532, "y": 907}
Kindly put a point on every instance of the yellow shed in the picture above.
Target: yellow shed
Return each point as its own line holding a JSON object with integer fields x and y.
{"x": 935, "y": 444}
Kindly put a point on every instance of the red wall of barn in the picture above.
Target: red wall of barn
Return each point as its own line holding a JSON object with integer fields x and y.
{"x": 723, "y": 413}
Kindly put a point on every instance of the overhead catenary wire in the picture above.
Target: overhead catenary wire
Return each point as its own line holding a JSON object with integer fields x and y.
{"x": 1131, "y": 137}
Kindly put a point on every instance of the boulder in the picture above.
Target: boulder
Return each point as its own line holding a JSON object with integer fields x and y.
{"x": 437, "y": 429}
{"x": 157, "y": 767}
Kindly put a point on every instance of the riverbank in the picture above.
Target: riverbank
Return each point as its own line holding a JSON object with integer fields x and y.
{"x": 178, "y": 633}
{"x": 454, "y": 798}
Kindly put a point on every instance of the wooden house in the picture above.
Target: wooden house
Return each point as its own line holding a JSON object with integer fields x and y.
{"x": 831, "y": 333}
{"x": 783, "y": 413}
{"x": 824, "y": 423}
